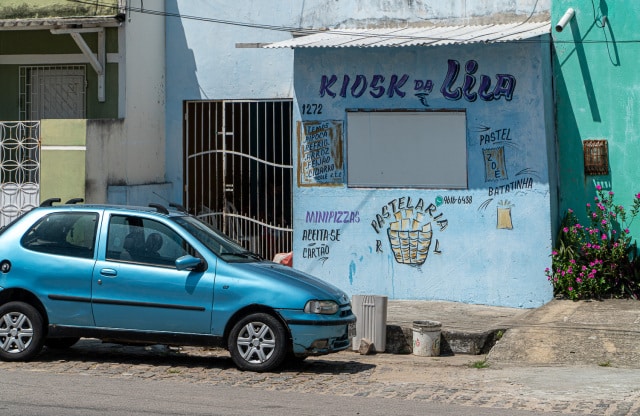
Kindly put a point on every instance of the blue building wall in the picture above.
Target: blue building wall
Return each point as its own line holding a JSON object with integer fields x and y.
{"x": 491, "y": 242}
{"x": 472, "y": 257}
{"x": 203, "y": 62}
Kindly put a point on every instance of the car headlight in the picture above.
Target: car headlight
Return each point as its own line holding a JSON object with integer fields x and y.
{"x": 325, "y": 307}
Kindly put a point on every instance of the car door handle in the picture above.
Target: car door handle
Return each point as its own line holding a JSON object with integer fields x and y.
{"x": 108, "y": 272}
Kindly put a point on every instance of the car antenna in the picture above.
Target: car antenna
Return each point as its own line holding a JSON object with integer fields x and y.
{"x": 49, "y": 202}
{"x": 74, "y": 201}
{"x": 160, "y": 208}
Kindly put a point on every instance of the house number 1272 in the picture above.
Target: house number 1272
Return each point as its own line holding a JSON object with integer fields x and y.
{"x": 311, "y": 108}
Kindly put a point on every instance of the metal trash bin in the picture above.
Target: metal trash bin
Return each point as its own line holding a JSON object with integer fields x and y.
{"x": 371, "y": 312}
{"x": 426, "y": 338}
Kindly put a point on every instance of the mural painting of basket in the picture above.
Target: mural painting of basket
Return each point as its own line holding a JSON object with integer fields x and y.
{"x": 410, "y": 246}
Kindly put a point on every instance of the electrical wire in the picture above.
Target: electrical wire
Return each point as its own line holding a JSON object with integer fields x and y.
{"x": 600, "y": 22}
{"x": 595, "y": 18}
{"x": 143, "y": 10}
{"x": 535, "y": 6}
{"x": 310, "y": 31}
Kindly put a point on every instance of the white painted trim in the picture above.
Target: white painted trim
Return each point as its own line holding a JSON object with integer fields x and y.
{"x": 57, "y": 59}
{"x": 122, "y": 72}
{"x": 64, "y": 147}
{"x": 88, "y": 53}
{"x": 69, "y": 31}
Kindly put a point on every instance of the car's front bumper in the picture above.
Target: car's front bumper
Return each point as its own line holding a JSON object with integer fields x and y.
{"x": 319, "y": 340}
{"x": 318, "y": 334}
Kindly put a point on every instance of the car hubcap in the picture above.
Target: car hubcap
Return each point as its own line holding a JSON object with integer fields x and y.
{"x": 16, "y": 332}
{"x": 256, "y": 342}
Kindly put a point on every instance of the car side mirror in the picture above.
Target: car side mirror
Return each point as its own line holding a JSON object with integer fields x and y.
{"x": 188, "y": 262}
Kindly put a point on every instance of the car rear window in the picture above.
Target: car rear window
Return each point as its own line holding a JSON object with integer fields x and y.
{"x": 63, "y": 233}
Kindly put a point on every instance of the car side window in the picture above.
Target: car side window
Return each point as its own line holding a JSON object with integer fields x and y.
{"x": 141, "y": 240}
{"x": 63, "y": 233}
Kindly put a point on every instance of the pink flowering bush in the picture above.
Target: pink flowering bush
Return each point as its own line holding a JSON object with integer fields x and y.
{"x": 598, "y": 259}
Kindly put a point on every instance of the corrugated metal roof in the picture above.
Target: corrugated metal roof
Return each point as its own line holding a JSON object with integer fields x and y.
{"x": 417, "y": 36}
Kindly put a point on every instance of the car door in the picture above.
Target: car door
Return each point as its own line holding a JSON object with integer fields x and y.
{"x": 136, "y": 285}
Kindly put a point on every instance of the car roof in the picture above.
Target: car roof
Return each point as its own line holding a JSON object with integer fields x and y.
{"x": 53, "y": 205}
{"x": 152, "y": 208}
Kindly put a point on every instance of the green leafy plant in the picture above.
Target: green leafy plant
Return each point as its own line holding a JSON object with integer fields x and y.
{"x": 479, "y": 364}
{"x": 599, "y": 259}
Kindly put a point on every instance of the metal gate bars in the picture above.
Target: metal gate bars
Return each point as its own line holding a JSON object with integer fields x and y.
{"x": 238, "y": 170}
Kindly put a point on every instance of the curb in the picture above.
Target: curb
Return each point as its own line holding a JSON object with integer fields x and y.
{"x": 399, "y": 340}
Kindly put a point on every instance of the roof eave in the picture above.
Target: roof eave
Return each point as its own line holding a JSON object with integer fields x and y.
{"x": 60, "y": 22}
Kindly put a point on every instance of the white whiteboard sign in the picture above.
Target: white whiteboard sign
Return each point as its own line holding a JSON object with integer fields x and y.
{"x": 407, "y": 149}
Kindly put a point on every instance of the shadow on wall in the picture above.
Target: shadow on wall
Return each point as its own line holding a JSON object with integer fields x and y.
{"x": 575, "y": 188}
{"x": 184, "y": 83}
{"x": 178, "y": 51}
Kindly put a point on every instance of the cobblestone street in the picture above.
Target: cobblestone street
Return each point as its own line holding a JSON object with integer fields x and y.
{"x": 460, "y": 379}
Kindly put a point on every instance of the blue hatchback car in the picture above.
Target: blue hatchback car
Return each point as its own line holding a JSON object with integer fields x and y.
{"x": 154, "y": 276}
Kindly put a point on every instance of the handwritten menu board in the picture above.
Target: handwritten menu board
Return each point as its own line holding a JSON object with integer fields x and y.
{"x": 320, "y": 153}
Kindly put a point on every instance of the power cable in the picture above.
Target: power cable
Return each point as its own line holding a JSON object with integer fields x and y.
{"x": 601, "y": 23}
{"x": 309, "y": 31}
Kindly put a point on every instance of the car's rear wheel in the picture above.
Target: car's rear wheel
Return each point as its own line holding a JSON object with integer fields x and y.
{"x": 21, "y": 331}
{"x": 61, "y": 343}
{"x": 258, "y": 342}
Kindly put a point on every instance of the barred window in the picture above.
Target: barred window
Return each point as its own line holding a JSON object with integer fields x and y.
{"x": 52, "y": 92}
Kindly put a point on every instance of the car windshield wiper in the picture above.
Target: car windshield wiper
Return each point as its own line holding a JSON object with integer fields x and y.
{"x": 244, "y": 254}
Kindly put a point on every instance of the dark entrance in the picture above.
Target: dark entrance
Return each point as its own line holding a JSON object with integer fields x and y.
{"x": 238, "y": 170}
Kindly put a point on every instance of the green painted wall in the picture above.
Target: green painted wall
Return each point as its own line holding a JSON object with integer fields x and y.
{"x": 30, "y": 42}
{"x": 597, "y": 86}
{"x": 62, "y": 159}
{"x": 26, "y": 42}
{"x": 43, "y": 42}
{"x": 109, "y": 108}
{"x": 9, "y": 100}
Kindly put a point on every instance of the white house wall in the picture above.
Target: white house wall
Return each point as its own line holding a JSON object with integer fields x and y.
{"x": 318, "y": 13}
{"x": 145, "y": 95}
{"x": 127, "y": 156}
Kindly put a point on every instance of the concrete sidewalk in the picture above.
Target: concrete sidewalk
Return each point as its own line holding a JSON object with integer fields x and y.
{"x": 605, "y": 333}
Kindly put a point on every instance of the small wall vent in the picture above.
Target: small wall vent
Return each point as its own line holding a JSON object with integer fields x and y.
{"x": 596, "y": 157}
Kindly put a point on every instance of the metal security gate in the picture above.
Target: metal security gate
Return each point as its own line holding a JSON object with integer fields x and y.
{"x": 238, "y": 170}
{"x": 19, "y": 168}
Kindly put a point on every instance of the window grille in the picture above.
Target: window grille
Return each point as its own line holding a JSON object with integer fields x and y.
{"x": 52, "y": 92}
{"x": 19, "y": 168}
{"x": 596, "y": 157}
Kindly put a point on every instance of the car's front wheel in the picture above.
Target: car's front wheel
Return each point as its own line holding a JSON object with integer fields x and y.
{"x": 258, "y": 342}
{"x": 21, "y": 331}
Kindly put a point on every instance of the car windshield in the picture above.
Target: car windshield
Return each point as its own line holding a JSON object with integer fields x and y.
{"x": 218, "y": 243}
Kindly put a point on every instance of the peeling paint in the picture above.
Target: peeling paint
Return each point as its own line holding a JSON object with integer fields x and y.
{"x": 352, "y": 271}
